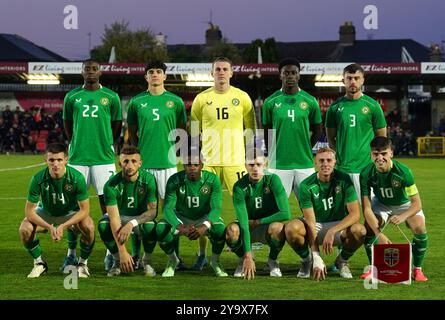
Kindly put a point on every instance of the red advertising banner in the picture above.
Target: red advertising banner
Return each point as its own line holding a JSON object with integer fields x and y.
{"x": 13, "y": 67}
{"x": 392, "y": 263}
{"x": 391, "y": 68}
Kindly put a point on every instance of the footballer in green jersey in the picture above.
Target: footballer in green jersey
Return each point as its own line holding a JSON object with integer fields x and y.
{"x": 331, "y": 217}
{"x": 295, "y": 117}
{"x": 153, "y": 118}
{"x": 192, "y": 208}
{"x": 261, "y": 207}
{"x": 395, "y": 199}
{"x": 131, "y": 200}
{"x": 64, "y": 204}
{"x": 92, "y": 117}
{"x": 352, "y": 122}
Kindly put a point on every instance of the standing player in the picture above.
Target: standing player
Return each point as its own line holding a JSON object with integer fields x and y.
{"x": 295, "y": 117}
{"x": 64, "y": 205}
{"x": 93, "y": 120}
{"x": 261, "y": 207}
{"x": 153, "y": 116}
{"x": 396, "y": 200}
{"x": 131, "y": 200}
{"x": 331, "y": 217}
{"x": 221, "y": 114}
{"x": 192, "y": 208}
{"x": 352, "y": 122}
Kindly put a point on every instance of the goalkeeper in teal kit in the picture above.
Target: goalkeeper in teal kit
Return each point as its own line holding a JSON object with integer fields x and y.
{"x": 192, "y": 208}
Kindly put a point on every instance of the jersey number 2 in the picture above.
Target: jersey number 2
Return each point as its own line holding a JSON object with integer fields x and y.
{"x": 89, "y": 113}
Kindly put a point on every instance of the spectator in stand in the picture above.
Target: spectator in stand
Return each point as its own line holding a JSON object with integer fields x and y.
{"x": 7, "y": 113}
{"x": 4, "y": 128}
{"x": 441, "y": 128}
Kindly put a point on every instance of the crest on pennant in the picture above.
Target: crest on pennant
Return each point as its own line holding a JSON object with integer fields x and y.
{"x": 391, "y": 256}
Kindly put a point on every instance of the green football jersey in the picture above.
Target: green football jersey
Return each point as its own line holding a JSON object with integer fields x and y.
{"x": 392, "y": 188}
{"x": 157, "y": 117}
{"x": 58, "y": 197}
{"x": 192, "y": 199}
{"x": 131, "y": 198}
{"x": 329, "y": 199}
{"x": 265, "y": 200}
{"x": 92, "y": 113}
{"x": 356, "y": 122}
{"x": 291, "y": 116}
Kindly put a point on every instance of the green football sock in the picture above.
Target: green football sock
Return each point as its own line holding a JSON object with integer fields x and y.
{"x": 86, "y": 249}
{"x": 345, "y": 254}
{"x": 369, "y": 241}
{"x": 72, "y": 239}
{"x": 148, "y": 231}
{"x": 135, "y": 245}
{"x": 34, "y": 249}
{"x": 275, "y": 248}
{"x": 420, "y": 246}
{"x": 303, "y": 251}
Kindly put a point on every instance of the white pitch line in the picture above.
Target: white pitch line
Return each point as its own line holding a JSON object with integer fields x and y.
{"x": 24, "y": 198}
{"x": 21, "y": 168}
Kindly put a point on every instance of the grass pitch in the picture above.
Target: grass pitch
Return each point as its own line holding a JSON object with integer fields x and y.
{"x": 15, "y": 173}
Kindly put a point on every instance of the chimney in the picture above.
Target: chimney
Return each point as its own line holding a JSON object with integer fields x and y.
{"x": 435, "y": 54}
{"x": 213, "y": 35}
{"x": 160, "y": 39}
{"x": 347, "y": 34}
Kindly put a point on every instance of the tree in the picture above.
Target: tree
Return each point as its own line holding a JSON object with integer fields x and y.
{"x": 222, "y": 49}
{"x": 268, "y": 51}
{"x": 131, "y": 46}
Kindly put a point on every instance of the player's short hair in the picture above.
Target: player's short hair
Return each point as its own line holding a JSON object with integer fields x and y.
{"x": 222, "y": 59}
{"x": 252, "y": 154}
{"x": 155, "y": 64}
{"x": 353, "y": 68}
{"x": 57, "y": 147}
{"x": 90, "y": 61}
{"x": 325, "y": 149}
{"x": 129, "y": 150}
{"x": 381, "y": 143}
{"x": 289, "y": 62}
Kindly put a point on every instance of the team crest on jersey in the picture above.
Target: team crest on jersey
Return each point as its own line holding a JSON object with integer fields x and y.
{"x": 396, "y": 183}
{"x": 205, "y": 189}
{"x": 338, "y": 189}
{"x": 182, "y": 189}
{"x": 104, "y": 101}
{"x": 170, "y": 104}
{"x": 235, "y": 102}
{"x": 303, "y": 105}
{"x": 209, "y": 103}
{"x": 266, "y": 190}
{"x": 365, "y": 110}
{"x": 141, "y": 190}
{"x": 69, "y": 187}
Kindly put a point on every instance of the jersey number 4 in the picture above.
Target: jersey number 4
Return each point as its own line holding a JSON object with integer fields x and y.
{"x": 90, "y": 111}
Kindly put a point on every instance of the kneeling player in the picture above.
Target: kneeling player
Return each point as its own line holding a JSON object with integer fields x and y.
{"x": 130, "y": 197}
{"x": 331, "y": 217}
{"x": 396, "y": 201}
{"x": 261, "y": 207}
{"x": 192, "y": 208}
{"x": 64, "y": 204}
